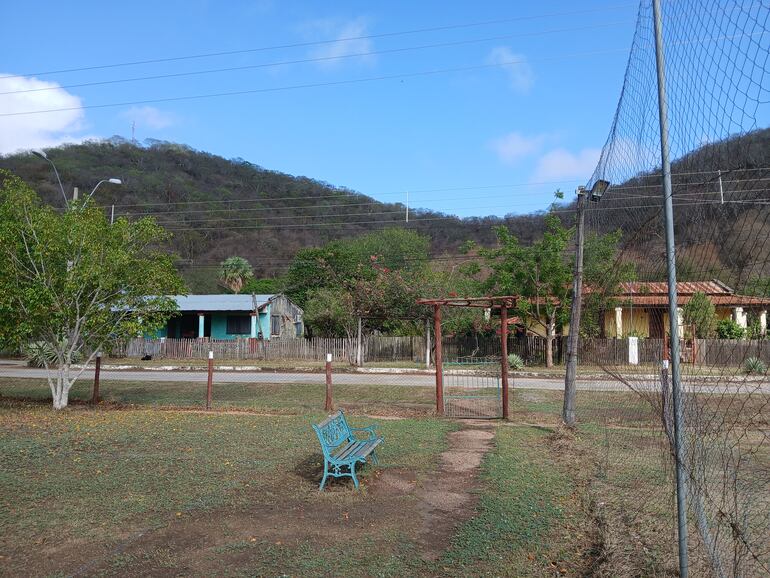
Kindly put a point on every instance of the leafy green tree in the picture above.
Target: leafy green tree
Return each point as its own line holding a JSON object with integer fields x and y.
{"x": 539, "y": 275}
{"x": 603, "y": 271}
{"x": 331, "y": 312}
{"x": 72, "y": 283}
{"x": 234, "y": 273}
{"x": 700, "y": 312}
{"x": 729, "y": 329}
{"x": 267, "y": 286}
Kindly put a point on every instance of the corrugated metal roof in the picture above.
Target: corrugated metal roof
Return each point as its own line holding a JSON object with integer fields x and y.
{"x": 219, "y": 302}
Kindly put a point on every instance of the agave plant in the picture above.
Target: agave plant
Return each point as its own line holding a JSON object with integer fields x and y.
{"x": 754, "y": 365}
{"x": 515, "y": 362}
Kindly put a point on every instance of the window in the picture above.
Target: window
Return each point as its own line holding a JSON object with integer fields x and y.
{"x": 275, "y": 325}
{"x": 238, "y": 324}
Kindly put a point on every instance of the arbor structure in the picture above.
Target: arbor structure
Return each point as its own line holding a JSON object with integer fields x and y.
{"x": 73, "y": 283}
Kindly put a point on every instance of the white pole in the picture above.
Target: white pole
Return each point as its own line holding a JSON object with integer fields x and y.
{"x": 112, "y": 215}
{"x": 75, "y": 194}
{"x": 721, "y": 191}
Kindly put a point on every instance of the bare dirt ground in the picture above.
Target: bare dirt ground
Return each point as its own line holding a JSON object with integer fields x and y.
{"x": 427, "y": 510}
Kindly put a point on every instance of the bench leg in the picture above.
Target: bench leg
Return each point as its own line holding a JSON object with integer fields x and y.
{"x": 353, "y": 474}
{"x": 326, "y": 474}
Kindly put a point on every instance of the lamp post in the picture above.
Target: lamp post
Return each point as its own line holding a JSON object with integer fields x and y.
{"x": 573, "y": 340}
{"x": 41, "y": 154}
{"x": 113, "y": 181}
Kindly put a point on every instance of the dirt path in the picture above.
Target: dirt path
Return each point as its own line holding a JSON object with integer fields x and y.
{"x": 447, "y": 497}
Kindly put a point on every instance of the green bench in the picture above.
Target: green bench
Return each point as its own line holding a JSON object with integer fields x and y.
{"x": 342, "y": 449}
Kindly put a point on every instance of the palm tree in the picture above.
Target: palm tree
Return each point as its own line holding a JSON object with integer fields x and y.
{"x": 234, "y": 272}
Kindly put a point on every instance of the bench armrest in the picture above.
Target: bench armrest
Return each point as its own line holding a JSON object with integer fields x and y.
{"x": 371, "y": 430}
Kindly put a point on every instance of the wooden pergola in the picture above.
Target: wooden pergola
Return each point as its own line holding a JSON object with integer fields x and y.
{"x": 503, "y": 303}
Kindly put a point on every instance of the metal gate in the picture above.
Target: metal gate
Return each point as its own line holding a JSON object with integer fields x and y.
{"x": 472, "y": 388}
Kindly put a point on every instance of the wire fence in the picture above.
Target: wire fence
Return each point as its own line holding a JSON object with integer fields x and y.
{"x": 716, "y": 57}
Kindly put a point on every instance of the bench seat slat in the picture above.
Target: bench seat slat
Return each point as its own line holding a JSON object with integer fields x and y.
{"x": 357, "y": 449}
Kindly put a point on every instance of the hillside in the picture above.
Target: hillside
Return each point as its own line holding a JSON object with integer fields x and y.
{"x": 217, "y": 207}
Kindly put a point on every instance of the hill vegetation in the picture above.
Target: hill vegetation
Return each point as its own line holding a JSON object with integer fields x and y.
{"x": 218, "y": 208}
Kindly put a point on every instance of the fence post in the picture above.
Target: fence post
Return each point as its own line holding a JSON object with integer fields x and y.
{"x": 504, "y": 355}
{"x": 439, "y": 361}
{"x": 97, "y": 371}
{"x": 209, "y": 384}
{"x": 328, "y": 404}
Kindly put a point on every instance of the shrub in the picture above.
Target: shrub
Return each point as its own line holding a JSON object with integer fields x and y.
{"x": 729, "y": 329}
{"x": 754, "y": 365}
{"x": 515, "y": 362}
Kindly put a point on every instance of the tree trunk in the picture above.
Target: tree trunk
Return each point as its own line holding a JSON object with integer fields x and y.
{"x": 61, "y": 388}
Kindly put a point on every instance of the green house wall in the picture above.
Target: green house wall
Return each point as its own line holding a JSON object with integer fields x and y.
{"x": 219, "y": 326}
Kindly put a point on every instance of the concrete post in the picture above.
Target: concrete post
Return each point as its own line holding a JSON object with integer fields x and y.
{"x": 763, "y": 322}
{"x": 619, "y": 322}
{"x": 201, "y": 325}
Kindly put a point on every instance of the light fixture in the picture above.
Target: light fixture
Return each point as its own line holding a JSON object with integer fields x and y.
{"x": 598, "y": 189}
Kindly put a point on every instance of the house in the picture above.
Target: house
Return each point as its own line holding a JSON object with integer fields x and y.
{"x": 234, "y": 317}
{"x": 643, "y": 307}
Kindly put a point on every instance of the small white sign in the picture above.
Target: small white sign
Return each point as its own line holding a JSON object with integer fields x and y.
{"x": 329, "y": 357}
{"x": 633, "y": 350}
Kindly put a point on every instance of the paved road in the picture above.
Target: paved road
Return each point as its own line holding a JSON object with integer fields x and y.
{"x": 368, "y": 379}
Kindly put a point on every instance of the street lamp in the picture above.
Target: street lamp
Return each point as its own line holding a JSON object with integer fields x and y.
{"x": 113, "y": 181}
{"x": 41, "y": 154}
{"x": 570, "y": 376}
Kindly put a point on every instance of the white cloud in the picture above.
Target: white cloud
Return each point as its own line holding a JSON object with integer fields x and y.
{"x": 514, "y": 146}
{"x": 340, "y": 50}
{"x": 560, "y": 163}
{"x": 516, "y": 67}
{"x": 46, "y": 129}
{"x": 149, "y": 117}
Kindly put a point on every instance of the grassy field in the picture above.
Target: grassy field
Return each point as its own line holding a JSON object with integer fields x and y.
{"x": 146, "y": 483}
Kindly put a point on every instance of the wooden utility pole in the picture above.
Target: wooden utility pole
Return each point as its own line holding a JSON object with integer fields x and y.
{"x": 573, "y": 340}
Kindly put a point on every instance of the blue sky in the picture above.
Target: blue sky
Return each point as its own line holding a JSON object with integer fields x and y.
{"x": 527, "y": 114}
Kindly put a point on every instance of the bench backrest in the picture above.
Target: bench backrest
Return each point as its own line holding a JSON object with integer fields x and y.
{"x": 333, "y": 432}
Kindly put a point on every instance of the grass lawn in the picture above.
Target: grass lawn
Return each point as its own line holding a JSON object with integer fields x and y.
{"x": 143, "y": 485}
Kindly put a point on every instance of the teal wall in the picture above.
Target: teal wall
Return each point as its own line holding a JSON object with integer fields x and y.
{"x": 219, "y": 326}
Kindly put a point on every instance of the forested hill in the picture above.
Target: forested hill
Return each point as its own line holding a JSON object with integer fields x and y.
{"x": 217, "y": 207}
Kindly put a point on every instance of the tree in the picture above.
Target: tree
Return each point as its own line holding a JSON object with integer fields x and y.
{"x": 700, "y": 312}
{"x": 234, "y": 273}
{"x": 603, "y": 271}
{"x": 539, "y": 274}
{"x": 74, "y": 283}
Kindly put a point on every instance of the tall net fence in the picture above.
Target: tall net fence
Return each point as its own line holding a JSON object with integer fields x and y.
{"x": 717, "y": 57}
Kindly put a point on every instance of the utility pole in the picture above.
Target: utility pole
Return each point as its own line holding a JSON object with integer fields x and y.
{"x": 668, "y": 207}
{"x": 573, "y": 340}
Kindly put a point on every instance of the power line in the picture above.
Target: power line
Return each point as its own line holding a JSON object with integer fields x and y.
{"x": 328, "y": 41}
{"x": 329, "y": 83}
{"x": 316, "y": 59}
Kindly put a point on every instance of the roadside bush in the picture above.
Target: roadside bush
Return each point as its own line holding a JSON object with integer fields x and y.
{"x": 515, "y": 362}
{"x": 755, "y": 366}
{"x": 729, "y": 329}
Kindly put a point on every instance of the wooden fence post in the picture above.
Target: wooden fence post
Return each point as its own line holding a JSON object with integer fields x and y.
{"x": 97, "y": 371}
{"x": 209, "y": 384}
{"x": 328, "y": 404}
{"x": 439, "y": 361}
{"x": 504, "y": 356}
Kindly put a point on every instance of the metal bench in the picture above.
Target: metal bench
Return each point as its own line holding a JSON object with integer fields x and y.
{"x": 342, "y": 449}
